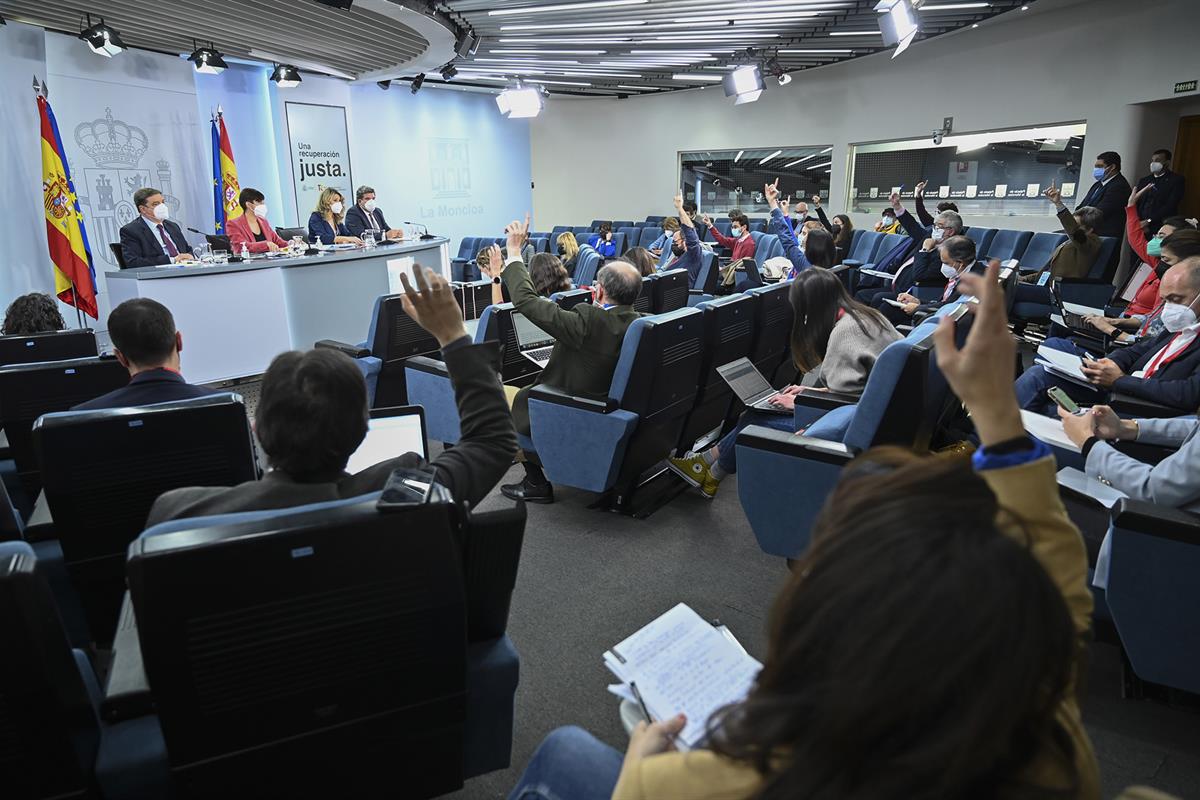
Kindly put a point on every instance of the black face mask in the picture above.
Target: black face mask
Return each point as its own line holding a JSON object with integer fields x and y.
{"x": 678, "y": 249}
{"x": 1160, "y": 269}
{"x": 562, "y": 251}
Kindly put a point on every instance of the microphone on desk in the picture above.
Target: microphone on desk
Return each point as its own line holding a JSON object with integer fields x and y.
{"x": 426, "y": 234}
{"x": 193, "y": 230}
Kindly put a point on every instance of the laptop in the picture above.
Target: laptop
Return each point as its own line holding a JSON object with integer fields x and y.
{"x": 533, "y": 342}
{"x": 391, "y": 432}
{"x": 750, "y": 386}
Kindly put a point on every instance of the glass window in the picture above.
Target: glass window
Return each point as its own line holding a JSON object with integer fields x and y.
{"x": 998, "y": 173}
{"x": 719, "y": 181}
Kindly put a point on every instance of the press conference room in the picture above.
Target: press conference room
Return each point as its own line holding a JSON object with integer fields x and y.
{"x": 590, "y": 399}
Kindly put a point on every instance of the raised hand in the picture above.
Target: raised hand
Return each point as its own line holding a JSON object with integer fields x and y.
{"x": 1053, "y": 194}
{"x": 679, "y": 202}
{"x": 786, "y": 205}
{"x": 707, "y": 220}
{"x": 516, "y": 233}
{"x": 816, "y": 201}
{"x": 771, "y": 192}
{"x": 495, "y": 262}
{"x": 1133, "y": 198}
{"x": 919, "y": 191}
{"x": 432, "y": 305}
{"x": 894, "y": 199}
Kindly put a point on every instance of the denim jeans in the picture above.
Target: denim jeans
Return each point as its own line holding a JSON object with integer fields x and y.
{"x": 570, "y": 764}
{"x": 727, "y": 453}
{"x": 1033, "y": 383}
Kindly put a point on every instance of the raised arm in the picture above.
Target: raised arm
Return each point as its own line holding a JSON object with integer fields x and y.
{"x": 1133, "y": 226}
{"x": 821, "y": 213}
{"x": 924, "y": 216}
{"x": 544, "y": 313}
{"x": 779, "y": 226}
{"x": 908, "y": 222}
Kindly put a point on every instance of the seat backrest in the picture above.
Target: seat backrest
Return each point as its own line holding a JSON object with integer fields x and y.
{"x": 540, "y": 244}
{"x": 49, "y": 733}
{"x": 466, "y": 247}
{"x": 645, "y": 300}
{"x": 317, "y": 634}
{"x": 866, "y": 246}
{"x": 888, "y": 243}
{"x": 557, "y": 229}
{"x": 393, "y": 334}
{"x": 982, "y": 238}
{"x": 118, "y": 254}
{"x": 1100, "y": 265}
{"x": 496, "y": 324}
{"x": 29, "y": 390}
{"x": 655, "y": 220}
{"x": 582, "y": 238}
{"x": 773, "y": 327}
{"x": 587, "y": 266}
{"x": 633, "y": 236}
{"x": 658, "y": 372}
{"x": 893, "y": 400}
{"x": 52, "y": 346}
{"x": 622, "y": 223}
{"x": 728, "y": 335}
{"x": 648, "y": 236}
{"x": 709, "y": 274}
{"x": 767, "y": 247}
{"x": 670, "y": 291}
{"x": 596, "y": 223}
{"x": 1007, "y": 244}
{"x": 757, "y": 237}
{"x": 725, "y": 227}
{"x": 473, "y": 297}
{"x": 855, "y": 235}
{"x": 582, "y": 229}
{"x": 1041, "y": 246}
{"x": 1085, "y": 291}
{"x": 571, "y": 298}
{"x": 619, "y": 240}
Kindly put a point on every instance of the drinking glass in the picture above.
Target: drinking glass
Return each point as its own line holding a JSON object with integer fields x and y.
{"x": 368, "y": 238}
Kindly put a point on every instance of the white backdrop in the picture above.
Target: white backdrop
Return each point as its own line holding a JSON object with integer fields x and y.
{"x": 126, "y": 123}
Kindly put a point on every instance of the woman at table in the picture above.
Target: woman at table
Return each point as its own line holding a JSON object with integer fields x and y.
{"x": 326, "y": 223}
{"x": 251, "y": 228}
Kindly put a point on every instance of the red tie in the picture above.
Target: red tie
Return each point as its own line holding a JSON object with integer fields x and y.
{"x": 172, "y": 251}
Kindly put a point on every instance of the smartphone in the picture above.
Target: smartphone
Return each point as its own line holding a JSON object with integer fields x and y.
{"x": 1063, "y": 401}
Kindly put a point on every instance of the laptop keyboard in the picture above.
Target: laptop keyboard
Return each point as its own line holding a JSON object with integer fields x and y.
{"x": 541, "y": 354}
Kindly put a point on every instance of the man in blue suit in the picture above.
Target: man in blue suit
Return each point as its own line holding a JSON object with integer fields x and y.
{"x": 1109, "y": 193}
{"x": 364, "y": 216}
{"x": 146, "y": 343}
{"x": 152, "y": 239}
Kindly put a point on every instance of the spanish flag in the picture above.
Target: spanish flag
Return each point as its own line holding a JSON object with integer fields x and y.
{"x": 225, "y": 179}
{"x": 74, "y": 274}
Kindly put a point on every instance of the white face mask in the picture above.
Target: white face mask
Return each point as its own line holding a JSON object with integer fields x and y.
{"x": 1155, "y": 167}
{"x": 260, "y": 211}
{"x": 1177, "y": 316}
{"x": 161, "y": 212}
{"x": 949, "y": 271}
{"x": 937, "y": 234}
{"x": 889, "y": 221}
{"x": 336, "y": 207}
{"x": 369, "y": 205}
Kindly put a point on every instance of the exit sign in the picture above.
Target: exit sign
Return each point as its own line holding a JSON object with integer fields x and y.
{"x": 1185, "y": 86}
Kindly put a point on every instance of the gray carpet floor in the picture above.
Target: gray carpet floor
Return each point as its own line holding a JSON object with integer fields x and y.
{"x": 589, "y": 578}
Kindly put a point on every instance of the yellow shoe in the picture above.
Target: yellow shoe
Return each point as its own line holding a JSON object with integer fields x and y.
{"x": 694, "y": 470}
{"x": 709, "y": 486}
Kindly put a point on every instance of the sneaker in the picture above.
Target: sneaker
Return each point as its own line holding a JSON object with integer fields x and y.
{"x": 529, "y": 492}
{"x": 694, "y": 470}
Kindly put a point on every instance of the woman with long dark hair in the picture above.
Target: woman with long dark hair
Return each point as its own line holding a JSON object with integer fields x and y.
{"x": 641, "y": 258}
{"x": 835, "y": 342}
{"x": 926, "y": 646}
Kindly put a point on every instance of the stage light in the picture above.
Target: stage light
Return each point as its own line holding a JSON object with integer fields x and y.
{"x": 286, "y": 76}
{"x": 385, "y": 85}
{"x": 208, "y": 60}
{"x": 417, "y": 83}
{"x": 449, "y": 71}
{"x": 745, "y": 84}
{"x": 520, "y": 101}
{"x": 103, "y": 40}
{"x": 897, "y": 23}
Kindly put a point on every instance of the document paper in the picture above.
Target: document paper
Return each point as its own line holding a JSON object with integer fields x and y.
{"x": 1065, "y": 364}
{"x": 682, "y": 664}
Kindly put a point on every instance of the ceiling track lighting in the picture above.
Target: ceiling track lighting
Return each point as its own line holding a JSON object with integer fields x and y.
{"x": 417, "y": 83}
{"x": 448, "y": 72}
{"x": 102, "y": 39}
{"x": 898, "y": 24}
{"x": 208, "y": 60}
{"x": 285, "y": 76}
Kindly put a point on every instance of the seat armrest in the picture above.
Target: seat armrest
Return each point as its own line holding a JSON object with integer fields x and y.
{"x": 851, "y": 263}
{"x": 352, "y": 350}
{"x": 1156, "y": 520}
{"x": 1129, "y": 406}
{"x": 825, "y": 400}
{"x": 127, "y": 693}
{"x": 550, "y": 394}
{"x": 427, "y": 364}
{"x": 792, "y": 444}
{"x": 844, "y": 267}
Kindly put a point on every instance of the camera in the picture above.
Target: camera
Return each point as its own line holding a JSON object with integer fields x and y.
{"x": 937, "y": 136}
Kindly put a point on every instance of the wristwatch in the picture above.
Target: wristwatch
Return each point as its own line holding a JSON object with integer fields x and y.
{"x": 496, "y": 279}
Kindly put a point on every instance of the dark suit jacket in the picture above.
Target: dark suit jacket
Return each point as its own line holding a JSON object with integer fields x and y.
{"x": 894, "y": 259}
{"x": 356, "y": 220}
{"x": 147, "y": 388}
{"x": 140, "y": 247}
{"x": 1163, "y": 200}
{"x": 1177, "y": 384}
{"x": 318, "y": 228}
{"x": 469, "y": 469}
{"x": 587, "y": 343}
{"x": 1111, "y": 200}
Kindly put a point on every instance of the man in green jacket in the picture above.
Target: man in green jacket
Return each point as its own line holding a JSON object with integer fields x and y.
{"x": 587, "y": 345}
{"x": 1074, "y": 257}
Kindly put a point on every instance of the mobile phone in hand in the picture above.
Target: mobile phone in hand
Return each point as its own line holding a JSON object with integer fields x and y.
{"x": 1064, "y": 401}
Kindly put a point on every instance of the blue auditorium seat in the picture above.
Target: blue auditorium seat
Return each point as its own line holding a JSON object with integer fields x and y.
{"x": 633, "y": 236}
{"x": 541, "y": 244}
{"x": 728, "y": 335}
{"x": 655, "y": 220}
{"x": 621, "y": 223}
{"x": 341, "y": 659}
{"x": 645, "y": 300}
{"x": 636, "y": 427}
{"x": 888, "y": 243}
{"x": 581, "y": 237}
{"x": 706, "y": 279}
{"x": 1037, "y": 253}
{"x": 670, "y": 291}
{"x": 49, "y": 346}
{"x": 773, "y": 328}
{"x": 865, "y": 248}
{"x": 581, "y": 229}
{"x": 587, "y": 266}
{"x": 904, "y": 397}
{"x": 467, "y": 248}
{"x": 648, "y": 236}
{"x": 1007, "y": 245}
{"x": 1099, "y": 270}
{"x": 982, "y": 238}
{"x": 596, "y": 223}
{"x": 557, "y": 229}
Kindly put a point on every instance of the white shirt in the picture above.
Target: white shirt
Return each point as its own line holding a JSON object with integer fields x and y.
{"x": 1178, "y": 343}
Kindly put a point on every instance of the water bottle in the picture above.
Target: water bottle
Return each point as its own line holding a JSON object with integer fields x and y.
{"x": 245, "y": 252}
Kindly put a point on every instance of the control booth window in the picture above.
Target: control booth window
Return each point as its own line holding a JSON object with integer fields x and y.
{"x": 996, "y": 173}
{"x": 718, "y": 181}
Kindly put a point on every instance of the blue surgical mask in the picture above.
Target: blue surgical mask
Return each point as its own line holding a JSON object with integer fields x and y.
{"x": 1098, "y": 173}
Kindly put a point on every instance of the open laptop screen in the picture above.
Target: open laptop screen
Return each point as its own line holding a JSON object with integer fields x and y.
{"x": 391, "y": 432}
{"x": 745, "y": 380}
{"x": 529, "y": 336}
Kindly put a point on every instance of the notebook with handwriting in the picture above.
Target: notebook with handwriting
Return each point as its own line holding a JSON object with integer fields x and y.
{"x": 682, "y": 664}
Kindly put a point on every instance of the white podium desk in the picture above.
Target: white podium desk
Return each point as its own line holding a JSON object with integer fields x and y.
{"x": 235, "y": 318}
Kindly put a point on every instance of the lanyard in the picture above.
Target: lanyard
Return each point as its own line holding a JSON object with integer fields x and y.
{"x": 1162, "y": 359}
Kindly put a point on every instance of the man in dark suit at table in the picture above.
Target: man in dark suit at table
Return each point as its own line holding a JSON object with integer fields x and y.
{"x": 1109, "y": 194}
{"x": 312, "y": 416}
{"x": 152, "y": 239}
{"x": 146, "y": 343}
{"x": 364, "y": 216}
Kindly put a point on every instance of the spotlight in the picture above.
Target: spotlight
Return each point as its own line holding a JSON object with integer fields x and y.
{"x": 775, "y": 69}
{"x": 385, "y": 85}
{"x": 898, "y": 24}
{"x": 449, "y": 71}
{"x": 208, "y": 60}
{"x": 466, "y": 43}
{"x": 745, "y": 84}
{"x": 103, "y": 40}
{"x": 417, "y": 83}
{"x": 286, "y": 76}
{"x": 520, "y": 101}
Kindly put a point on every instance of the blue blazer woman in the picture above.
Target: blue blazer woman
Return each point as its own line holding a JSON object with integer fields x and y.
{"x": 318, "y": 227}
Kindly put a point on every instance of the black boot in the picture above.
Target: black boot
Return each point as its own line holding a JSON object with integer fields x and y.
{"x": 534, "y": 489}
